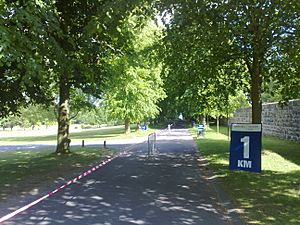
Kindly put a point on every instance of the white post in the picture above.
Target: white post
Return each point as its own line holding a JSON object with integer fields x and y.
{"x": 169, "y": 128}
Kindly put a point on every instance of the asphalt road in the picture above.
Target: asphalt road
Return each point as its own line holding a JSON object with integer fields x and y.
{"x": 171, "y": 187}
{"x": 113, "y": 143}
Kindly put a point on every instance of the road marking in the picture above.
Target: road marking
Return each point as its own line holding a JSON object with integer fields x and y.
{"x": 22, "y": 209}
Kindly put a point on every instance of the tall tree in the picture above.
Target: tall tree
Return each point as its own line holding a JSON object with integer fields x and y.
{"x": 135, "y": 87}
{"x": 63, "y": 47}
{"x": 25, "y": 45}
{"x": 259, "y": 34}
{"x": 90, "y": 33}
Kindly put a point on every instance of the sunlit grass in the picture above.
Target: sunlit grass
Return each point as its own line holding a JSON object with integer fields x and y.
{"x": 272, "y": 197}
{"x": 76, "y": 137}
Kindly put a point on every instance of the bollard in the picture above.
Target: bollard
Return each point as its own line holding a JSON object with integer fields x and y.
{"x": 82, "y": 144}
{"x": 104, "y": 144}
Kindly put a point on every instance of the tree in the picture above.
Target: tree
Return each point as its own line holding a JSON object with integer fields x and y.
{"x": 34, "y": 115}
{"x": 135, "y": 87}
{"x": 9, "y": 122}
{"x": 195, "y": 84}
{"x": 258, "y": 35}
{"x": 92, "y": 116}
{"x": 63, "y": 47}
{"x": 25, "y": 75}
{"x": 90, "y": 33}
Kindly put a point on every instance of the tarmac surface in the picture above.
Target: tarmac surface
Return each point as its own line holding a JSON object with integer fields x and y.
{"x": 114, "y": 143}
{"x": 173, "y": 186}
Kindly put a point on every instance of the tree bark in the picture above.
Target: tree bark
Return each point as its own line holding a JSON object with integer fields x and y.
{"x": 256, "y": 96}
{"x": 218, "y": 124}
{"x": 227, "y": 120}
{"x": 207, "y": 121}
{"x": 63, "y": 141}
{"x": 256, "y": 76}
{"x": 127, "y": 126}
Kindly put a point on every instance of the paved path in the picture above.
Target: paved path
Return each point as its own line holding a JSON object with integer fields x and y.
{"x": 168, "y": 188}
{"x": 110, "y": 143}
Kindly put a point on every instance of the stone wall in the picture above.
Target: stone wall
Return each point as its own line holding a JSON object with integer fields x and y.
{"x": 277, "y": 120}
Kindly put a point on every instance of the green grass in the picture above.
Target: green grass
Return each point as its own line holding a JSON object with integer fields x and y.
{"x": 21, "y": 171}
{"x": 271, "y": 197}
{"x": 76, "y": 137}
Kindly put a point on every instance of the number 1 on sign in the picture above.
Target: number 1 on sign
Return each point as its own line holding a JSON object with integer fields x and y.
{"x": 246, "y": 141}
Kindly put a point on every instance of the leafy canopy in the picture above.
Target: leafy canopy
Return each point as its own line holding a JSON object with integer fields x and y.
{"x": 135, "y": 86}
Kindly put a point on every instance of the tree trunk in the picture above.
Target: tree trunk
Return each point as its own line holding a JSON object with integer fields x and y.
{"x": 256, "y": 85}
{"x": 255, "y": 71}
{"x": 207, "y": 121}
{"x": 127, "y": 126}
{"x": 138, "y": 125}
{"x": 227, "y": 121}
{"x": 256, "y": 98}
{"x": 203, "y": 120}
{"x": 218, "y": 124}
{"x": 63, "y": 141}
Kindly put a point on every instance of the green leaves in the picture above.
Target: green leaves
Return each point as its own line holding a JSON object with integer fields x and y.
{"x": 93, "y": 27}
{"x": 24, "y": 61}
{"x": 43, "y": 40}
{"x": 135, "y": 86}
{"x": 215, "y": 48}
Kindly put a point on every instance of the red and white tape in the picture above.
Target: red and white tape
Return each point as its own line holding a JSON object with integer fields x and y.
{"x": 9, "y": 216}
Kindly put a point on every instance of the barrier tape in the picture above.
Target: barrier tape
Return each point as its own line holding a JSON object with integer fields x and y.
{"x": 10, "y": 215}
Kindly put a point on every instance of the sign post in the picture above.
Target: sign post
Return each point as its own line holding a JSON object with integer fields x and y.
{"x": 245, "y": 147}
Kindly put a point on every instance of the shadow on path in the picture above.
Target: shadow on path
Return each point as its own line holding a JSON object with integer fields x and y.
{"x": 167, "y": 188}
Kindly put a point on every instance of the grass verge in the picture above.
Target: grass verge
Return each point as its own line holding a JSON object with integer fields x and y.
{"x": 272, "y": 197}
{"x": 76, "y": 137}
{"x": 24, "y": 171}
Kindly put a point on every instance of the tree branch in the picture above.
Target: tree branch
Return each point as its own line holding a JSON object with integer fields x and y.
{"x": 76, "y": 114}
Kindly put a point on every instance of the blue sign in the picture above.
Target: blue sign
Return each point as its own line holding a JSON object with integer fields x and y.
{"x": 245, "y": 147}
{"x": 201, "y": 129}
{"x": 201, "y": 126}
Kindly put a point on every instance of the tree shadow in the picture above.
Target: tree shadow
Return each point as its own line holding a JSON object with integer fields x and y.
{"x": 289, "y": 150}
{"x": 269, "y": 197}
{"x": 135, "y": 189}
{"x": 23, "y": 171}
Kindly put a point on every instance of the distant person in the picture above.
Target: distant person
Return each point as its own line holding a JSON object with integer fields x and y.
{"x": 169, "y": 127}
{"x": 193, "y": 123}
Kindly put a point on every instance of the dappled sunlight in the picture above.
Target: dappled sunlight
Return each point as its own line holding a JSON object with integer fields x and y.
{"x": 274, "y": 192}
{"x": 280, "y": 192}
{"x": 23, "y": 171}
{"x": 116, "y": 206}
{"x": 93, "y": 135}
{"x": 289, "y": 150}
{"x": 167, "y": 188}
{"x": 275, "y": 162}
